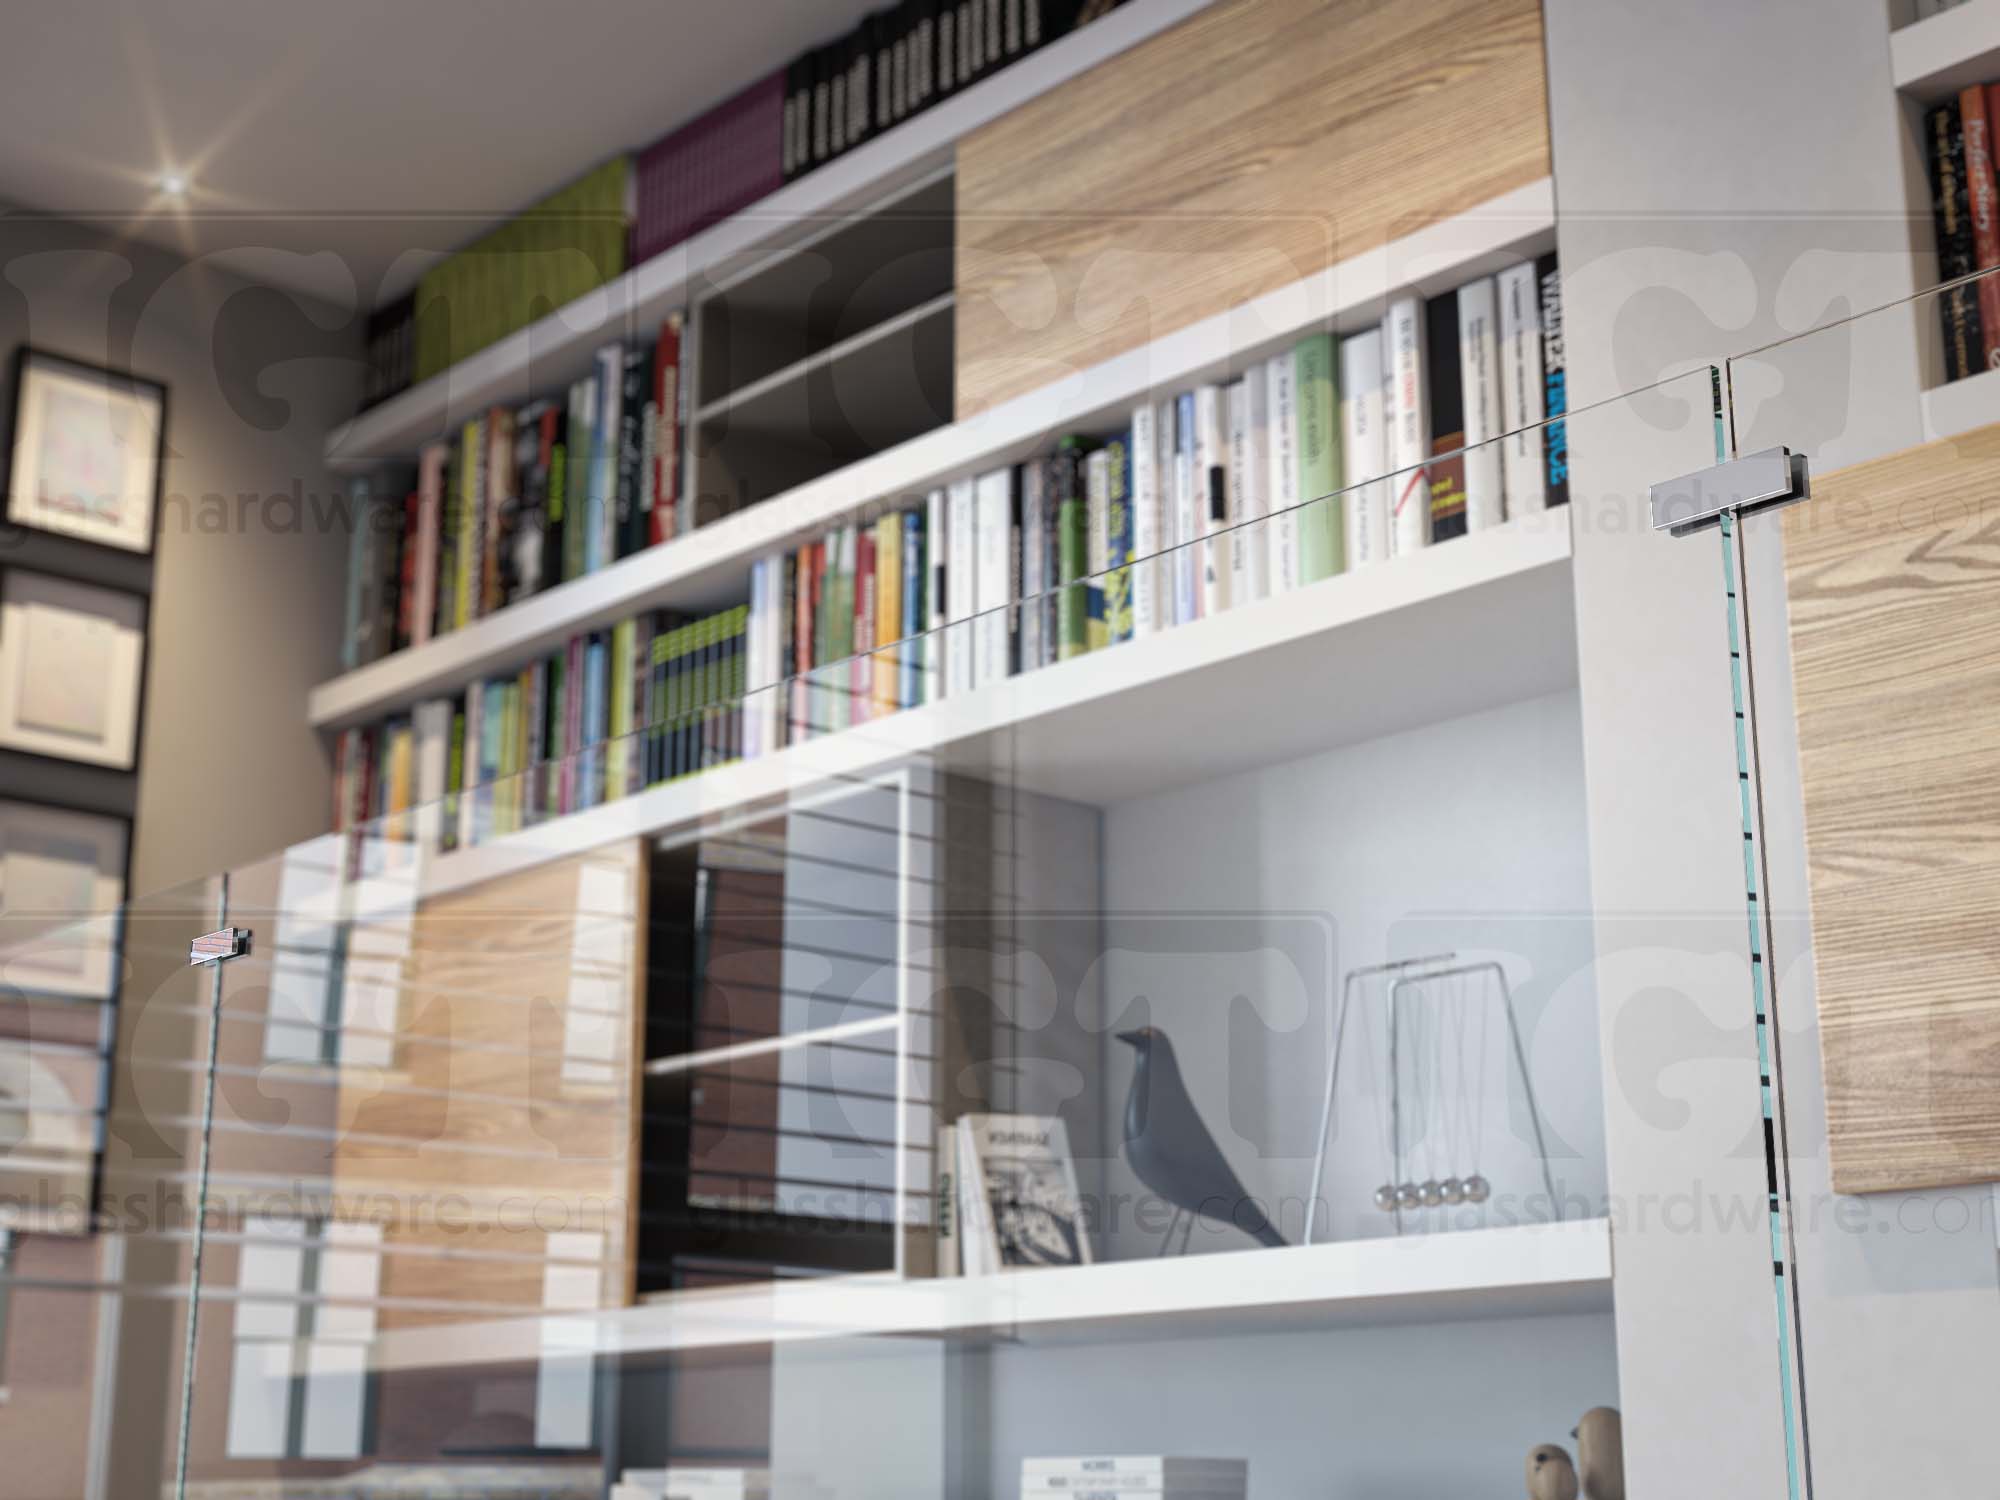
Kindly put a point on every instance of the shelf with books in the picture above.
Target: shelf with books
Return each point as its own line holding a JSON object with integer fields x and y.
{"x": 710, "y": 566}
{"x": 1519, "y": 1271}
{"x": 1455, "y": 629}
{"x": 1933, "y": 58}
{"x": 559, "y": 348}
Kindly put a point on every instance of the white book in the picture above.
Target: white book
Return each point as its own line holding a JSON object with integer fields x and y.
{"x": 1211, "y": 467}
{"x": 1479, "y": 384}
{"x": 430, "y": 723}
{"x": 1364, "y": 448}
{"x": 997, "y": 554}
{"x": 961, "y": 588}
{"x": 975, "y": 1226}
{"x": 1215, "y": 1480}
{"x": 1523, "y": 481}
{"x": 1236, "y": 439}
{"x": 1187, "y": 516}
{"x": 1022, "y": 1183}
{"x": 1164, "y": 468}
{"x": 944, "y": 1202}
{"x": 936, "y": 557}
{"x": 1281, "y": 377}
{"x": 1253, "y": 549}
{"x": 469, "y": 794}
{"x": 1407, "y": 415}
{"x": 1147, "y": 516}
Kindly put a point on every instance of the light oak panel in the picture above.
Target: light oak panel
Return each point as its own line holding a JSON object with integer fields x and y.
{"x": 1259, "y": 142}
{"x": 1893, "y": 578}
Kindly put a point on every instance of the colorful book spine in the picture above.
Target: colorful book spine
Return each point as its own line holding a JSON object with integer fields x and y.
{"x": 1281, "y": 377}
{"x": 937, "y": 547}
{"x": 910, "y": 687}
{"x": 1322, "y": 524}
{"x": 1555, "y": 382}
{"x": 1067, "y": 478}
{"x": 1097, "y": 546}
{"x": 1958, "y": 307}
{"x": 1190, "y": 502}
{"x": 1983, "y": 213}
{"x": 1446, "y": 404}
{"x": 1147, "y": 516}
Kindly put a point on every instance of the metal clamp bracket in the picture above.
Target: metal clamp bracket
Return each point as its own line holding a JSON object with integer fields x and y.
{"x": 1694, "y": 502}
{"x": 216, "y": 947}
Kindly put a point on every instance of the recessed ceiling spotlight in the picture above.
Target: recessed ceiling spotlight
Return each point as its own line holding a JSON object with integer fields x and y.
{"x": 173, "y": 184}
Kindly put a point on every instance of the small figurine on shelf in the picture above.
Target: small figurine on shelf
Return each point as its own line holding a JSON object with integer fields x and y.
{"x": 1600, "y": 1453}
{"x": 1551, "y": 1476}
{"x": 1171, "y": 1150}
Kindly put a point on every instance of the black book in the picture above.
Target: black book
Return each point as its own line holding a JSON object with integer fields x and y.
{"x": 821, "y": 66}
{"x": 524, "y": 567}
{"x": 1447, "y": 408}
{"x": 1958, "y": 308}
{"x": 636, "y": 392}
{"x": 1555, "y": 380}
{"x": 555, "y": 506}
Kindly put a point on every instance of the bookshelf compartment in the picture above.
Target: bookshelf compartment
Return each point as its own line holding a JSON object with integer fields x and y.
{"x": 1934, "y": 58}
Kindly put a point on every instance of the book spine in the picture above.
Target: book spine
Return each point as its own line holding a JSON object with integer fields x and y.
{"x": 1479, "y": 388}
{"x": 861, "y": 664}
{"x": 1281, "y": 376}
{"x": 1118, "y": 622}
{"x": 889, "y": 613}
{"x": 996, "y": 562}
{"x": 1211, "y": 489}
{"x": 1097, "y": 547}
{"x": 1236, "y": 415}
{"x": 1982, "y": 215}
{"x": 1253, "y": 539}
{"x": 503, "y": 509}
{"x": 668, "y": 397}
{"x": 1190, "y": 499}
{"x": 1364, "y": 448}
{"x": 1034, "y": 570}
{"x": 1555, "y": 382}
{"x": 1524, "y": 485}
{"x": 1146, "y": 515}
{"x": 1447, "y": 418}
{"x": 1407, "y": 418}
{"x": 937, "y": 546}
{"x": 1066, "y": 475}
{"x": 1322, "y": 527}
{"x": 961, "y": 588}
{"x": 944, "y": 1201}
{"x": 916, "y": 574}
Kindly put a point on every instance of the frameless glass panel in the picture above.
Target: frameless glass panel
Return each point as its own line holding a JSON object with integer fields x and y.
{"x": 1865, "y": 612}
{"x": 1188, "y": 961}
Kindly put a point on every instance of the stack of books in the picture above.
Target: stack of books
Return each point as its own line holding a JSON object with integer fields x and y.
{"x": 677, "y": 1483}
{"x": 1140, "y": 1476}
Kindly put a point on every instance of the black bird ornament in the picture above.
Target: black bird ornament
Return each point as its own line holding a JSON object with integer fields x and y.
{"x": 1171, "y": 1150}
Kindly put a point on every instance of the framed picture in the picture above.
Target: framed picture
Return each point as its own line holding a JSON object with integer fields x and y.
{"x": 62, "y": 901}
{"x": 88, "y": 445}
{"x": 72, "y": 669}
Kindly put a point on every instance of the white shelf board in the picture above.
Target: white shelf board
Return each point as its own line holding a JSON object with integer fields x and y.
{"x": 895, "y": 332}
{"x": 1934, "y": 58}
{"x": 1961, "y": 405}
{"x": 1467, "y": 625}
{"x": 710, "y": 567}
{"x": 536, "y": 360}
{"x": 1522, "y": 1271}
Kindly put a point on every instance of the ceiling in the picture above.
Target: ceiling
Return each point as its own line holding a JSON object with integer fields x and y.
{"x": 336, "y": 147}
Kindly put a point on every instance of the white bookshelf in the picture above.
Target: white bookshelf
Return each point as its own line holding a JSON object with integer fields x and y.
{"x": 548, "y": 354}
{"x": 711, "y": 566}
{"x": 1936, "y": 57}
{"x": 1520, "y": 1271}
{"x": 1470, "y": 624}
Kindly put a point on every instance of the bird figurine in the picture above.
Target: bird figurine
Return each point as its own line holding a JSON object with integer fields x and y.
{"x": 1600, "y": 1453}
{"x": 1172, "y": 1151}
{"x": 1551, "y": 1476}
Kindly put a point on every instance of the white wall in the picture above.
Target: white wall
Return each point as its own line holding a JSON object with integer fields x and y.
{"x": 1467, "y": 836}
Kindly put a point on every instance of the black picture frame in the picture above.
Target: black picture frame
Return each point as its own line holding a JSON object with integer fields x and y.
{"x": 25, "y": 358}
{"x": 145, "y": 598}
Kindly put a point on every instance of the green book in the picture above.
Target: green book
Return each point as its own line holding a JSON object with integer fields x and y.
{"x": 1066, "y": 473}
{"x": 1322, "y": 523}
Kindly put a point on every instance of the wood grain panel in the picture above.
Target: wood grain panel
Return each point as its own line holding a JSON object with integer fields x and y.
{"x": 1256, "y": 143}
{"x": 1893, "y": 580}
{"x": 484, "y": 1134}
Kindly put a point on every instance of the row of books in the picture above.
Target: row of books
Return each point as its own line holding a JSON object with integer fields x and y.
{"x": 903, "y": 59}
{"x": 894, "y": 65}
{"x": 652, "y": 699}
{"x": 1004, "y": 1195}
{"x": 1114, "y": 1476}
{"x": 1332, "y": 455}
{"x": 524, "y": 500}
{"x": 1965, "y": 204}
